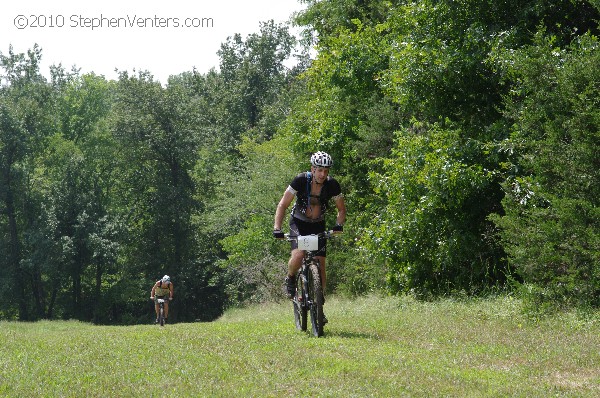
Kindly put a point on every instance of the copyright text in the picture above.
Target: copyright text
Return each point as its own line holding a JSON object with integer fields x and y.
{"x": 105, "y": 22}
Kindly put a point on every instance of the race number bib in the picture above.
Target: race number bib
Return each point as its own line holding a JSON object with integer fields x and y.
{"x": 308, "y": 242}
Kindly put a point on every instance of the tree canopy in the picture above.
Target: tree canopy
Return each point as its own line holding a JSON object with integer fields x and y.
{"x": 464, "y": 134}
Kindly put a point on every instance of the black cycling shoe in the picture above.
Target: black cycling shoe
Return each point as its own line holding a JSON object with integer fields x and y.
{"x": 156, "y": 320}
{"x": 290, "y": 286}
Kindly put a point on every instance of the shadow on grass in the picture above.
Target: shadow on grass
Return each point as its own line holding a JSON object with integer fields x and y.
{"x": 344, "y": 334}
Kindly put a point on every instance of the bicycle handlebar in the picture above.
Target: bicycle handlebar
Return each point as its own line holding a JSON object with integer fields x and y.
{"x": 326, "y": 234}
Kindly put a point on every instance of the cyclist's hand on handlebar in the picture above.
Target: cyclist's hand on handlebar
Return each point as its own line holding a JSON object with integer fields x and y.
{"x": 278, "y": 234}
{"x": 338, "y": 229}
{"x": 151, "y": 297}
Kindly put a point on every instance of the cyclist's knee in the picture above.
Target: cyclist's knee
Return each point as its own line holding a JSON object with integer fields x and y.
{"x": 296, "y": 257}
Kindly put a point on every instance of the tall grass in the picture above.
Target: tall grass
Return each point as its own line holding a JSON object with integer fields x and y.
{"x": 381, "y": 347}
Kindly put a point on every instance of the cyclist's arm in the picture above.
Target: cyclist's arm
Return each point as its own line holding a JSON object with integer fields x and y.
{"x": 170, "y": 290}
{"x": 284, "y": 203}
{"x": 152, "y": 291}
{"x": 341, "y": 210}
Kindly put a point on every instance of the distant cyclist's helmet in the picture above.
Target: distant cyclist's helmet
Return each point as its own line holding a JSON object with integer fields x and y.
{"x": 321, "y": 159}
{"x": 166, "y": 279}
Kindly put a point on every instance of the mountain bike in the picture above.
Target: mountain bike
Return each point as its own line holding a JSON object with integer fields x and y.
{"x": 161, "y": 311}
{"x": 309, "y": 291}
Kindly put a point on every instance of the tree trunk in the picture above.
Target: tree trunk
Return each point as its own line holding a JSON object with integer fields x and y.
{"x": 49, "y": 314}
{"x": 97, "y": 291}
{"x": 15, "y": 249}
{"x": 38, "y": 293}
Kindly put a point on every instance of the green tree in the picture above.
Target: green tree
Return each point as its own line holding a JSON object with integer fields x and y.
{"x": 259, "y": 91}
{"x": 255, "y": 261}
{"x": 434, "y": 64}
{"x": 551, "y": 229}
{"x": 73, "y": 234}
{"x": 431, "y": 231}
{"x": 26, "y": 117}
{"x": 161, "y": 132}
{"x": 253, "y": 74}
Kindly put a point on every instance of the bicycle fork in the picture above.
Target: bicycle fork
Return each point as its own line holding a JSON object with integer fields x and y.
{"x": 303, "y": 294}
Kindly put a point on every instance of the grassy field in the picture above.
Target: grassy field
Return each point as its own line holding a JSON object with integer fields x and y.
{"x": 380, "y": 347}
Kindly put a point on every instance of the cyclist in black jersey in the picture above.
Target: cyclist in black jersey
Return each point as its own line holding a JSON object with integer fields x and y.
{"x": 313, "y": 192}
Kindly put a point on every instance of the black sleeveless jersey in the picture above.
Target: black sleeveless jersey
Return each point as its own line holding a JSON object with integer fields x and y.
{"x": 300, "y": 187}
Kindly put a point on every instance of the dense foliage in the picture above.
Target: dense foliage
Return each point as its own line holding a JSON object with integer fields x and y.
{"x": 464, "y": 133}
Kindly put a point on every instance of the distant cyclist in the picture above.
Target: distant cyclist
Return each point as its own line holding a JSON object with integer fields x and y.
{"x": 313, "y": 190}
{"x": 162, "y": 289}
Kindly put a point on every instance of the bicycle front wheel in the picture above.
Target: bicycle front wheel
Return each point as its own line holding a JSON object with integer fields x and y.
{"x": 315, "y": 299}
{"x": 300, "y": 309}
{"x": 161, "y": 316}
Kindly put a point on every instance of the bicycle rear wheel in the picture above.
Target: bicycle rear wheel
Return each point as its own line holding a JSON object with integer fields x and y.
{"x": 315, "y": 299}
{"x": 300, "y": 310}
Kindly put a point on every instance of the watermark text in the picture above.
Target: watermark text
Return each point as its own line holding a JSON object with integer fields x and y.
{"x": 60, "y": 21}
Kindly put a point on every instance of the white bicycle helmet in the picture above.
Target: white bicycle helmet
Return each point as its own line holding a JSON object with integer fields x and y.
{"x": 321, "y": 159}
{"x": 166, "y": 279}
